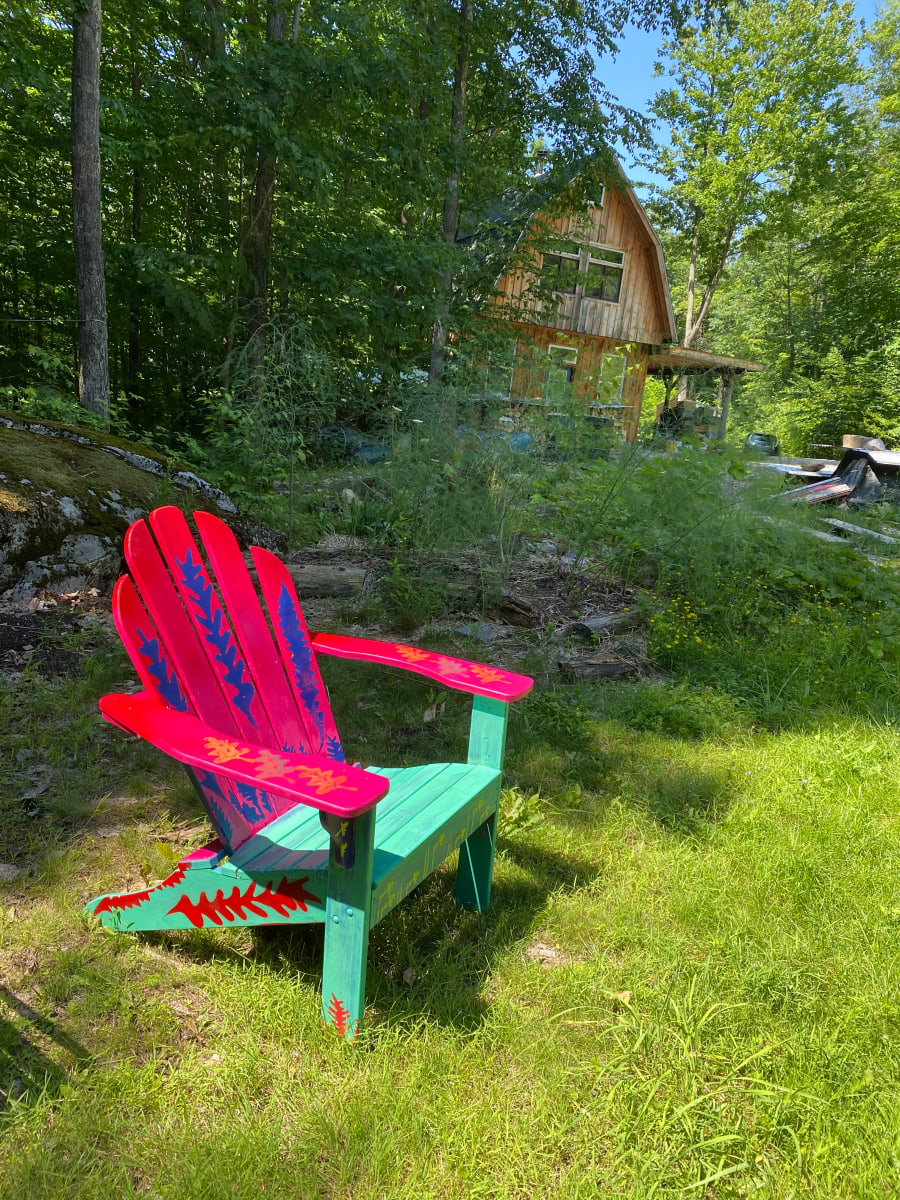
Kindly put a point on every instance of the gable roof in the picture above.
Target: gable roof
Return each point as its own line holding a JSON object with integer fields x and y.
{"x": 506, "y": 225}
{"x": 662, "y": 279}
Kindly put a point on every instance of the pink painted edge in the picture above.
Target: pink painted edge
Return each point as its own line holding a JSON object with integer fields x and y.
{"x": 180, "y": 736}
{"x": 203, "y": 854}
{"x": 511, "y": 687}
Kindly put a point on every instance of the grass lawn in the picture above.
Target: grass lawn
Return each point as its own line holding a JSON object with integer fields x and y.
{"x": 688, "y": 983}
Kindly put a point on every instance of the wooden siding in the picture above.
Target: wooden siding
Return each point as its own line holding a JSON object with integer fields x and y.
{"x": 640, "y": 313}
{"x": 527, "y": 376}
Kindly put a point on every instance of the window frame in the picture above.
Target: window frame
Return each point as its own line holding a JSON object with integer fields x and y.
{"x": 559, "y": 256}
{"x": 589, "y": 254}
{"x": 568, "y": 366}
{"x": 607, "y": 267}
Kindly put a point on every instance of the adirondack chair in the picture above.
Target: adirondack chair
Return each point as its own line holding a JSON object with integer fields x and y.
{"x": 302, "y": 835}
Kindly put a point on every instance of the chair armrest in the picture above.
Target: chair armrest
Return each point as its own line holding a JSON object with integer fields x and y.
{"x": 310, "y": 779}
{"x": 474, "y": 678}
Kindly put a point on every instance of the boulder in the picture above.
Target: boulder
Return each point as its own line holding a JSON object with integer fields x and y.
{"x": 65, "y": 501}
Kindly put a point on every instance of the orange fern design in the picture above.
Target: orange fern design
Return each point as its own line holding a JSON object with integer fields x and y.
{"x": 223, "y": 750}
{"x": 323, "y": 781}
{"x": 408, "y": 654}
{"x": 339, "y": 1016}
{"x": 486, "y": 674}
{"x": 448, "y": 666}
{"x": 283, "y": 900}
{"x": 272, "y": 766}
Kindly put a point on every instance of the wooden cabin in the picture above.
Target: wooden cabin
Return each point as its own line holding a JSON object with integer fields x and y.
{"x": 590, "y": 301}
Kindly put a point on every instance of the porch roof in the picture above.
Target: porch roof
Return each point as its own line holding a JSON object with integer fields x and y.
{"x": 685, "y": 360}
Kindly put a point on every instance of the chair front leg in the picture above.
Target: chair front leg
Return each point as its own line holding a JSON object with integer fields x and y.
{"x": 487, "y": 743}
{"x": 347, "y": 916}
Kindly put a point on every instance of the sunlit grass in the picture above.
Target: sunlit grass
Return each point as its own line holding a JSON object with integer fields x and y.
{"x": 688, "y": 983}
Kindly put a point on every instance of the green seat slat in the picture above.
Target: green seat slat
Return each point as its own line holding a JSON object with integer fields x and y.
{"x": 298, "y": 840}
{"x": 451, "y": 793}
{"x": 299, "y": 829}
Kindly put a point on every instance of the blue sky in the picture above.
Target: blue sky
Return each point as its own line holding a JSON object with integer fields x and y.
{"x": 629, "y": 76}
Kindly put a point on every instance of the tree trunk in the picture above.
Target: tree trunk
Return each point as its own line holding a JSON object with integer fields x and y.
{"x": 262, "y": 205}
{"x": 450, "y": 221}
{"x": 689, "y": 328}
{"x": 134, "y": 302}
{"x": 90, "y": 284}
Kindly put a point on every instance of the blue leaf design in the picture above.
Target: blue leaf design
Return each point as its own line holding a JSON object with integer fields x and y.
{"x": 215, "y": 802}
{"x": 157, "y": 666}
{"x": 333, "y": 750}
{"x": 195, "y": 580}
{"x": 254, "y": 805}
{"x": 302, "y": 661}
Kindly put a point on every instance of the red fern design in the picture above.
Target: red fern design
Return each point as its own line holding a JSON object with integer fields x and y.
{"x": 339, "y": 1016}
{"x": 285, "y": 899}
{"x": 135, "y": 899}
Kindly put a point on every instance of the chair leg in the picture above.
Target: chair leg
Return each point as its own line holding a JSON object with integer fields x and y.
{"x": 347, "y": 915}
{"x": 476, "y": 867}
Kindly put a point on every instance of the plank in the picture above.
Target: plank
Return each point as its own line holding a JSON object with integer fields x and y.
{"x": 211, "y": 623}
{"x": 347, "y": 917}
{"x": 252, "y": 631}
{"x": 202, "y": 896}
{"x": 456, "y": 673}
{"x": 199, "y": 681}
{"x": 304, "y": 778}
{"x": 324, "y": 579}
{"x": 416, "y": 822}
{"x": 301, "y": 830}
{"x": 859, "y": 530}
{"x": 145, "y": 647}
{"x": 461, "y": 817}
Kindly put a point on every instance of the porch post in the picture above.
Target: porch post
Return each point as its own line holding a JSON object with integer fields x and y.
{"x": 726, "y": 405}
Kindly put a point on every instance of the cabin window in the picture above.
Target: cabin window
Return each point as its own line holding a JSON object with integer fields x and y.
{"x": 611, "y": 379}
{"x": 560, "y": 372}
{"x": 604, "y": 274}
{"x": 561, "y": 270}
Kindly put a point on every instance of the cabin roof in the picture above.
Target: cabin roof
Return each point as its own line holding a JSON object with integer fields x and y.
{"x": 509, "y": 221}
{"x": 659, "y": 258}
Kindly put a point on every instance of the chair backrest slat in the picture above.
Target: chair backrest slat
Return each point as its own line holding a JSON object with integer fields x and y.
{"x": 297, "y": 654}
{"x": 214, "y": 630}
{"x": 199, "y": 681}
{"x": 145, "y": 647}
{"x": 260, "y": 652}
{"x": 152, "y": 661}
{"x": 200, "y": 641}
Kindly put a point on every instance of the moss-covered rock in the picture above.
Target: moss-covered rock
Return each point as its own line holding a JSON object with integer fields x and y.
{"x": 66, "y": 499}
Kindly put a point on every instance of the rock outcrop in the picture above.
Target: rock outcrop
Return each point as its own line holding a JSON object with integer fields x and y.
{"x": 66, "y": 497}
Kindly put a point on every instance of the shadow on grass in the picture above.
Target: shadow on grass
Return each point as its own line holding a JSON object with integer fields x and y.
{"x": 26, "y": 1071}
{"x": 428, "y": 959}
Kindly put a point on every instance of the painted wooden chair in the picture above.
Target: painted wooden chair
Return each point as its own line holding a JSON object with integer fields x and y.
{"x": 232, "y": 690}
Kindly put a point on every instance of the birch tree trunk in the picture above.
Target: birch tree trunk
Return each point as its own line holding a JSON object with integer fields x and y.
{"x": 450, "y": 222}
{"x": 90, "y": 282}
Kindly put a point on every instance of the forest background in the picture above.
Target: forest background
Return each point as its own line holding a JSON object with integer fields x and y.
{"x": 304, "y": 205}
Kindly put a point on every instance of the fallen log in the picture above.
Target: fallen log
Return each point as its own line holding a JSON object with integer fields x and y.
{"x": 598, "y": 666}
{"x": 629, "y": 618}
{"x": 322, "y": 579}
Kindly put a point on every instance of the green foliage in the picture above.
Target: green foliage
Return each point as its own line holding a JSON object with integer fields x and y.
{"x": 352, "y": 112}
{"x": 412, "y": 600}
{"x": 439, "y": 490}
{"x": 757, "y": 102}
{"x": 740, "y": 598}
